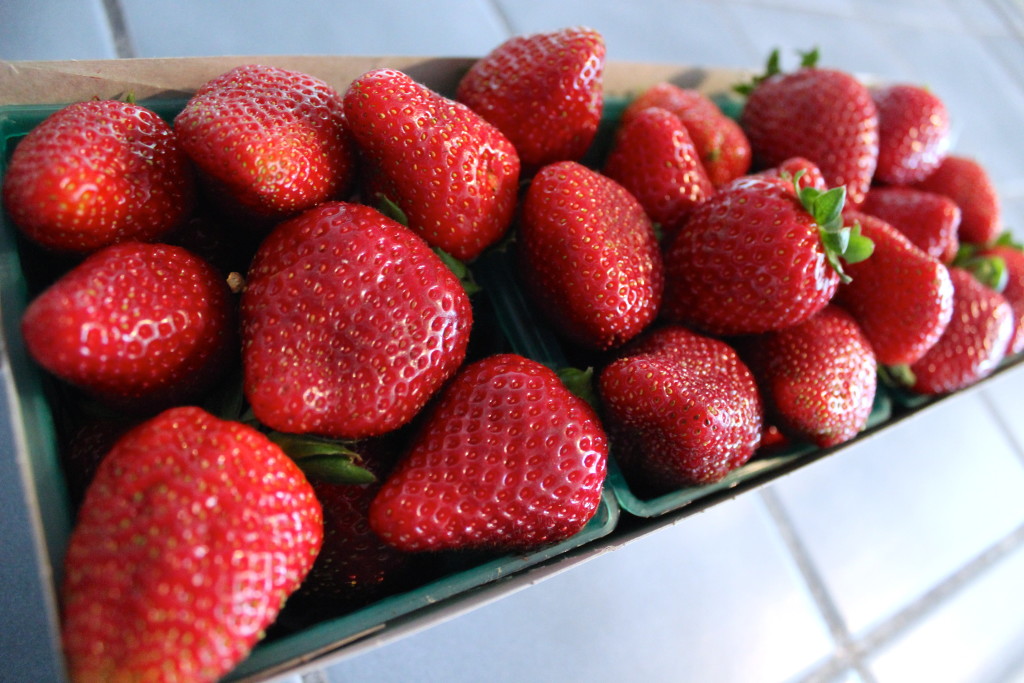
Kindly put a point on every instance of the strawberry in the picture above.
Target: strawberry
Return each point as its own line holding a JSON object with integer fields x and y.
{"x": 508, "y": 458}
{"x": 1012, "y": 256}
{"x": 681, "y": 409}
{"x": 193, "y": 533}
{"x": 974, "y": 342}
{"x": 900, "y": 297}
{"x": 453, "y": 175}
{"x": 654, "y": 158}
{"x": 805, "y": 172}
{"x": 758, "y": 256}
{"x": 968, "y": 183}
{"x": 818, "y": 377}
{"x": 721, "y": 143}
{"x": 931, "y": 221}
{"x": 824, "y": 115}
{"x": 139, "y": 326}
{"x": 913, "y": 133}
{"x": 97, "y": 173}
{"x": 350, "y": 323}
{"x": 543, "y": 91}
{"x": 589, "y": 256}
{"x": 268, "y": 142}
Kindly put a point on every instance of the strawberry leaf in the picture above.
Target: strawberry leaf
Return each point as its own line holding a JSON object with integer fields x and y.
{"x": 841, "y": 242}
{"x": 323, "y": 459}
{"x": 334, "y": 470}
{"x": 859, "y": 248}
{"x": 390, "y": 209}
{"x": 771, "y": 69}
{"x": 461, "y": 271}
{"x": 581, "y": 383}
{"x": 989, "y": 270}
{"x": 809, "y": 59}
{"x": 1007, "y": 239}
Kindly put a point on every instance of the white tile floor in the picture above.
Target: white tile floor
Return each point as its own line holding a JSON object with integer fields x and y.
{"x": 899, "y": 560}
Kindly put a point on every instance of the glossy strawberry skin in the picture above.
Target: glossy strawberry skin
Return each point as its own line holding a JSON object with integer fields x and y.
{"x": 507, "y": 459}
{"x": 974, "y": 342}
{"x": 269, "y": 142}
{"x": 747, "y": 260}
{"x": 543, "y": 91}
{"x": 191, "y": 536}
{"x": 139, "y": 326}
{"x": 350, "y": 323}
{"x": 453, "y": 174}
{"x": 97, "y": 173}
{"x": 968, "y": 183}
{"x": 589, "y": 256}
{"x": 931, "y": 221}
{"x": 1013, "y": 257}
{"x": 913, "y": 133}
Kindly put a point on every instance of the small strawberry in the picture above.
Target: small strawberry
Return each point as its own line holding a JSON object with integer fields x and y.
{"x": 913, "y": 133}
{"x": 452, "y": 174}
{"x": 543, "y": 91}
{"x": 1010, "y": 257}
{"x": 350, "y": 323}
{"x": 269, "y": 142}
{"x": 589, "y": 256}
{"x": 901, "y": 297}
{"x": 818, "y": 377}
{"x": 193, "y": 533}
{"x": 139, "y": 326}
{"x": 654, "y": 158}
{"x": 805, "y": 172}
{"x": 968, "y": 183}
{"x": 931, "y": 221}
{"x": 508, "y": 458}
{"x": 97, "y": 173}
{"x": 824, "y": 115}
{"x": 681, "y": 408}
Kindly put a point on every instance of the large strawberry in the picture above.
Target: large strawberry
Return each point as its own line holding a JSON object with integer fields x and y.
{"x": 97, "y": 173}
{"x": 589, "y": 256}
{"x": 452, "y": 174}
{"x": 681, "y": 409}
{"x": 269, "y": 142}
{"x": 825, "y": 115}
{"x": 967, "y": 182}
{"x": 193, "y": 533}
{"x": 931, "y": 221}
{"x": 139, "y": 326}
{"x": 350, "y": 324}
{"x": 913, "y": 133}
{"x": 544, "y": 91}
{"x": 508, "y": 458}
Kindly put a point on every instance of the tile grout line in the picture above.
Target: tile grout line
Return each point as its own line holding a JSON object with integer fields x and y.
{"x": 123, "y": 46}
{"x": 1004, "y": 426}
{"x": 506, "y": 22}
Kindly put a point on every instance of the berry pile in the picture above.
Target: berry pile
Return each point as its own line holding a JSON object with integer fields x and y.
{"x": 262, "y": 327}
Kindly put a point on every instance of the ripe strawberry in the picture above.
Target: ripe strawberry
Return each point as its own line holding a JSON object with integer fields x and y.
{"x": 543, "y": 91}
{"x": 508, "y": 458}
{"x": 818, "y": 377}
{"x": 193, "y": 533}
{"x": 931, "y": 221}
{"x": 681, "y": 409}
{"x": 913, "y": 133}
{"x": 825, "y": 115}
{"x": 97, "y": 173}
{"x": 809, "y": 173}
{"x": 967, "y": 183}
{"x": 757, "y": 257}
{"x": 721, "y": 143}
{"x": 1010, "y": 256}
{"x": 901, "y": 297}
{"x": 350, "y": 323}
{"x": 974, "y": 342}
{"x": 139, "y": 326}
{"x": 589, "y": 256}
{"x": 453, "y": 175}
{"x": 269, "y": 142}
{"x": 654, "y": 158}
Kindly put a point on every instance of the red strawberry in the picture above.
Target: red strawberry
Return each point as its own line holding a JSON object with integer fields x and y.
{"x": 901, "y": 297}
{"x": 139, "y": 326}
{"x": 681, "y": 409}
{"x": 350, "y": 324}
{"x": 508, "y": 458}
{"x": 967, "y": 183}
{"x": 589, "y": 256}
{"x": 913, "y": 133}
{"x": 543, "y": 91}
{"x": 269, "y": 142}
{"x": 1012, "y": 255}
{"x": 721, "y": 143}
{"x": 193, "y": 533}
{"x": 788, "y": 170}
{"x": 97, "y": 173}
{"x": 824, "y": 115}
{"x": 974, "y": 342}
{"x": 931, "y": 221}
{"x": 818, "y": 377}
{"x": 453, "y": 175}
{"x": 654, "y": 158}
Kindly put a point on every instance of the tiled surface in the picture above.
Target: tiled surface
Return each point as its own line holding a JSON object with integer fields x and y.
{"x": 899, "y": 559}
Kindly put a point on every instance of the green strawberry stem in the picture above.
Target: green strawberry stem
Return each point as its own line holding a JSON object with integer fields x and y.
{"x": 808, "y": 60}
{"x": 987, "y": 269}
{"x": 581, "y": 383}
{"x": 897, "y": 376}
{"x": 841, "y": 242}
{"x": 323, "y": 459}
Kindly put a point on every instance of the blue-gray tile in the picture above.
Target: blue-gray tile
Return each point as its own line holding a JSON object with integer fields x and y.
{"x": 1005, "y": 395}
{"x": 55, "y": 29}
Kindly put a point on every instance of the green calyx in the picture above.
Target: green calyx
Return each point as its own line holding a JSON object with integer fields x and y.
{"x": 324, "y": 460}
{"x": 988, "y": 269}
{"x": 841, "y": 242}
{"x": 808, "y": 60}
{"x": 581, "y": 383}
